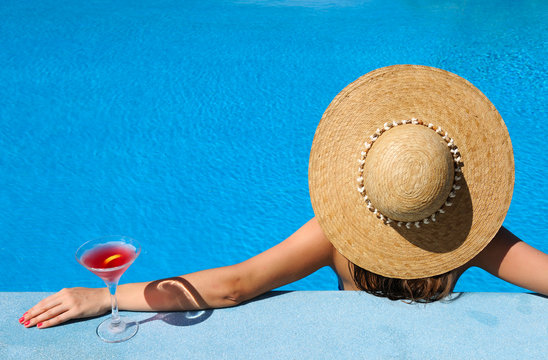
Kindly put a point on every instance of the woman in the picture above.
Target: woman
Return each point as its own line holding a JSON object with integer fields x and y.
{"x": 402, "y": 207}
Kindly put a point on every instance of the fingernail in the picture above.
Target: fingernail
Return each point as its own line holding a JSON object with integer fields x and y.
{"x": 22, "y": 318}
{"x": 27, "y": 322}
{"x": 39, "y": 324}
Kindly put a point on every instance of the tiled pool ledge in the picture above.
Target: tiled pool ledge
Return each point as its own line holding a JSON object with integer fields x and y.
{"x": 301, "y": 325}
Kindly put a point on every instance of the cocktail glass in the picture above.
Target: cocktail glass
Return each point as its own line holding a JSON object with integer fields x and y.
{"x": 108, "y": 257}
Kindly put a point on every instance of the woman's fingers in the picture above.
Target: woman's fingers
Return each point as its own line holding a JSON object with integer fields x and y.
{"x": 46, "y": 315}
{"x": 41, "y": 307}
{"x": 56, "y": 320}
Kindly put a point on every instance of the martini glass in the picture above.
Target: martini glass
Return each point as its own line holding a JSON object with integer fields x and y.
{"x": 109, "y": 257}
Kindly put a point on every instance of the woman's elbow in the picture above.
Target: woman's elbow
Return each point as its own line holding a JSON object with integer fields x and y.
{"x": 233, "y": 292}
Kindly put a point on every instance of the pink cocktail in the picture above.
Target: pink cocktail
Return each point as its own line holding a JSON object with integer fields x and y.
{"x": 109, "y": 257}
{"x": 109, "y": 261}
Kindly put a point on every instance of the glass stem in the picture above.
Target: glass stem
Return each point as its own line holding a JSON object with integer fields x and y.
{"x": 114, "y": 302}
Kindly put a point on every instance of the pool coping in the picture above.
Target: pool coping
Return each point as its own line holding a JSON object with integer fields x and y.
{"x": 301, "y": 325}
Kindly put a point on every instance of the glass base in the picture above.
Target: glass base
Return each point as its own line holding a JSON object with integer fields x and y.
{"x": 121, "y": 331}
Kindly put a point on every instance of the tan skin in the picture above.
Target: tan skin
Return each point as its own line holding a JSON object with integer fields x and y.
{"x": 304, "y": 252}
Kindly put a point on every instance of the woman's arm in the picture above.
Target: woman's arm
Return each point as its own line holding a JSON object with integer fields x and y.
{"x": 304, "y": 252}
{"x": 512, "y": 260}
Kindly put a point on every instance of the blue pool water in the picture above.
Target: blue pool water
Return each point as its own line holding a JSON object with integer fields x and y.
{"x": 188, "y": 125}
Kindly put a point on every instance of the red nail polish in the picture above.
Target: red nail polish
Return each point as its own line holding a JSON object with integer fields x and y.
{"x": 21, "y": 319}
{"x": 39, "y": 324}
{"x": 27, "y": 322}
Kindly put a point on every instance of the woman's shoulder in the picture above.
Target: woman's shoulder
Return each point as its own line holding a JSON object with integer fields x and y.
{"x": 342, "y": 268}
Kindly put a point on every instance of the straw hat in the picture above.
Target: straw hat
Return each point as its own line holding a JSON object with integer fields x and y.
{"x": 411, "y": 171}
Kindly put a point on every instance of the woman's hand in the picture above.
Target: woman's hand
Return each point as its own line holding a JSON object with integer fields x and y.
{"x": 65, "y": 305}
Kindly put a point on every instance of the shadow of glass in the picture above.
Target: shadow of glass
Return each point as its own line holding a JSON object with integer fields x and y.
{"x": 187, "y": 318}
{"x": 449, "y": 231}
{"x": 175, "y": 318}
{"x": 180, "y": 318}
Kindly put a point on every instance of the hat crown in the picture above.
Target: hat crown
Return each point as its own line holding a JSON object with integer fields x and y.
{"x": 408, "y": 173}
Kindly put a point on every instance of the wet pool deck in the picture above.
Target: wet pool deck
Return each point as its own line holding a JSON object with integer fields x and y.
{"x": 301, "y": 325}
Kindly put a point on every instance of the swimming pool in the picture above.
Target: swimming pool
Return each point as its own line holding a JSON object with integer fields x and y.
{"x": 188, "y": 125}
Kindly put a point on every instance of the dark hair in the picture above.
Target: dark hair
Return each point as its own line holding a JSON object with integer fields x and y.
{"x": 423, "y": 290}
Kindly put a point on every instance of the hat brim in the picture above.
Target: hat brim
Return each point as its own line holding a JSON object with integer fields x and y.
{"x": 435, "y": 96}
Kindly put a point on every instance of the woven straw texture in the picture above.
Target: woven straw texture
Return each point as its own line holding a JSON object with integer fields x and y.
{"x": 434, "y": 96}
